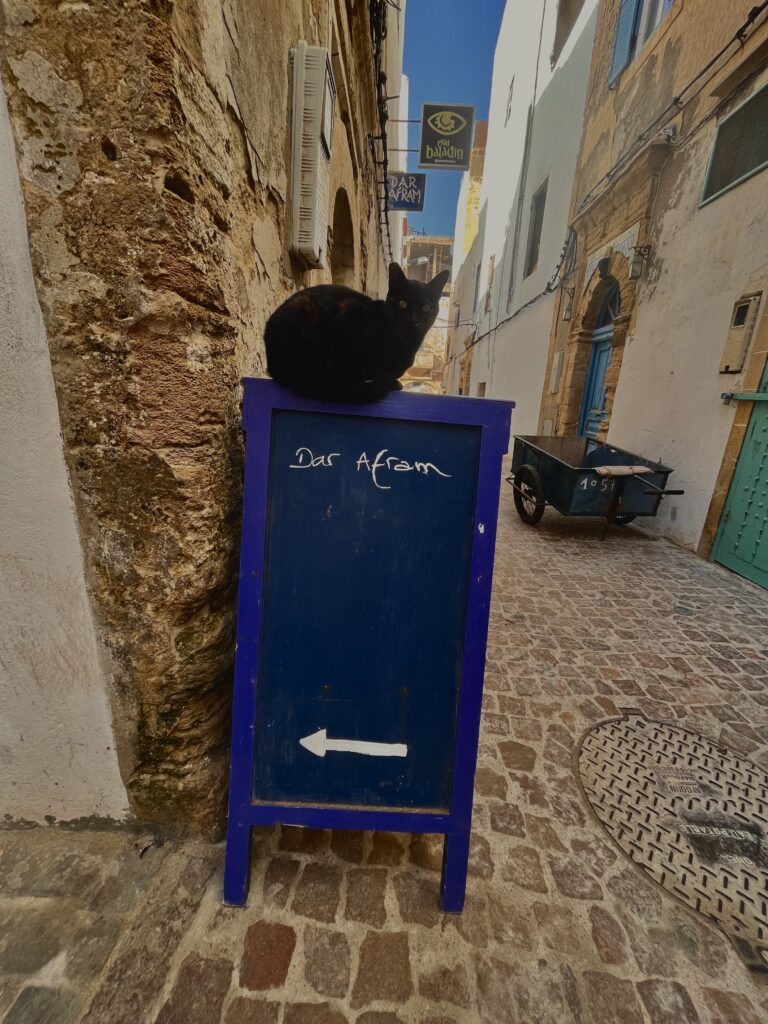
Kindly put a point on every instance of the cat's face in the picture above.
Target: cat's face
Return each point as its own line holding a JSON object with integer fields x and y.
{"x": 413, "y": 305}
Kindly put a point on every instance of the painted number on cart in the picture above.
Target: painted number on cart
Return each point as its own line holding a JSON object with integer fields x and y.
{"x": 605, "y": 485}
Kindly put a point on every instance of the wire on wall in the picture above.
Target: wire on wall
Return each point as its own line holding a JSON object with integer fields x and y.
{"x": 378, "y": 143}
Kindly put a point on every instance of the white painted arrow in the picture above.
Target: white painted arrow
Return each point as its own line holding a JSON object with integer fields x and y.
{"x": 318, "y": 743}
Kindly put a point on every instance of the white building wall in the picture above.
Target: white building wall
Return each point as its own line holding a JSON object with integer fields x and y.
{"x": 57, "y": 752}
{"x": 510, "y": 353}
{"x": 667, "y": 404}
{"x": 397, "y": 129}
{"x": 516, "y": 352}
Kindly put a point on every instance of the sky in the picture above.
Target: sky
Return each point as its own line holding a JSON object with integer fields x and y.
{"x": 448, "y": 58}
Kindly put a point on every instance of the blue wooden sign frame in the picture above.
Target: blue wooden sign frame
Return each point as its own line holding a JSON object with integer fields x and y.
{"x": 262, "y": 398}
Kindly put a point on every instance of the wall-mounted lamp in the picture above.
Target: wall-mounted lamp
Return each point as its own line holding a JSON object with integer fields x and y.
{"x": 568, "y": 303}
{"x": 637, "y": 261}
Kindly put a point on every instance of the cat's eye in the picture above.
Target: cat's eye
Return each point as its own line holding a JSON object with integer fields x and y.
{"x": 403, "y": 304}
{"x": 426, "y": 307}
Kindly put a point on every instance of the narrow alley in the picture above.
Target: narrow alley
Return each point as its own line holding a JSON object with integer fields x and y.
{"x": 559, "y": 926}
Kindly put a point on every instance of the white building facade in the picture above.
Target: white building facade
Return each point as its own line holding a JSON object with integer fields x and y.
{"x": 504, "y": 293}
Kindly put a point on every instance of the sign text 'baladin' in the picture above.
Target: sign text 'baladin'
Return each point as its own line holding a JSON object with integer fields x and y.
{"x": 446, "y": 136}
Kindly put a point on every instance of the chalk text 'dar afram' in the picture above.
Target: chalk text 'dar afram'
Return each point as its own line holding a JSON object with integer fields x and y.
{"x": 379, "y": 466}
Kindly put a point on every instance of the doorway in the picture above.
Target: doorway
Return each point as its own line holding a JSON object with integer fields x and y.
{"x": 741, "y": 543}
{"x": 593, "y": 411}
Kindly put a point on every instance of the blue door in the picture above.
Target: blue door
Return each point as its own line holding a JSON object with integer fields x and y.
{"x": 593, "y": 403}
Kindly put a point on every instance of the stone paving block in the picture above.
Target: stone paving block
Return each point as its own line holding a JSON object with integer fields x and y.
{"x": 44, "y": 1006}
{"x": 426, "y": 851}
{"x": 198, "y": 994}
{"x": 517, "y": 757}
{"x": 349, "y": 846}
{"x": 317, "y": 892}
{"x": 523, "y": 867}
{"x": 594, "y": 855}
{"x": 129, "y": 875}
{"x": 313, "y": 1013}
{"x": 610, "y": 1000}
{"x": 667, "y": 1002}
{"x": 327, "y": 961}
{"x": 386, "y": 848}
{"x": 511, "y": 923}
{"x": 490, "y": 783}
{"x": 572, "y": 880}
{"x": 446, "y": 984}
{"x": 542, "y": 833}
{"x": 267, "y": 953}
{"x": 279, "y": 877}
{"x": 508, "y": 818}
{"x": 365, "y": 896}
{"x": 557, "y": 926}
{"x": 244, "y": 1010}
{"x": 379, "y": 1017}
{"x": 302, "y": 840}
{"x": 418, "y": 899}
{"x": 140, "y": 963}
{"x": 730, "y": 1008}
{"x": 608, "y": 936}
{"x": 480, "y": 859}
{"x": 34, "y": 862}
{"x": 384, "y": 971}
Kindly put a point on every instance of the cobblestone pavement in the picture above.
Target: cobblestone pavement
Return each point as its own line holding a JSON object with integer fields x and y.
{"x": 559, "y": 927}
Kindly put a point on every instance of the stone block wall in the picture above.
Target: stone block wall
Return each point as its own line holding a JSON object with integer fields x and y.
{"x": 153, "y": 145}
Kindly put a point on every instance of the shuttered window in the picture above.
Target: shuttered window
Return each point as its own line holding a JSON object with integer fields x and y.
{"x": 741, "y": 146}
{"x": 626, "y": 34}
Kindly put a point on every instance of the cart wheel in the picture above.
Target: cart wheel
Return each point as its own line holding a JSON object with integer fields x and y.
{"x": 529, "y": 495}
{"x": 623, "y": 520}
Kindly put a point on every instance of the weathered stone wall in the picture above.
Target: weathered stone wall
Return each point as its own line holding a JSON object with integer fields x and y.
{"x": 153, "y": 146}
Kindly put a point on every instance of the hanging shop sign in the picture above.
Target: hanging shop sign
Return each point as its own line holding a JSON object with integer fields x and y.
{"x": 365, "y": 582}
{"x": 406, "y": 191}
{"x": 446, "y": 136}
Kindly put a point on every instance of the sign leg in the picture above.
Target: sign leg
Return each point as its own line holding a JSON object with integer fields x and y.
{"x": 237, "y": 863}
{"x": 454, "y": 881}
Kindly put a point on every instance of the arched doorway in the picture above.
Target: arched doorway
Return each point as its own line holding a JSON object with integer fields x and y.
{"x": 343, "y": 242}
{"x": 593, "y": 411}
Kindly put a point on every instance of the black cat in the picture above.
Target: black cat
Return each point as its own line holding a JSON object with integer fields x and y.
{"x": 335, "y": 343}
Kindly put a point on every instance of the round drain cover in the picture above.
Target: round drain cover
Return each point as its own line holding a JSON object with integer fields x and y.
{"x": 692, "y": 815}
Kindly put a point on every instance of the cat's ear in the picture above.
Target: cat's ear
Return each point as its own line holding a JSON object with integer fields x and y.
{"x": 437, "y": 284}
{"x": 397, "y": 278}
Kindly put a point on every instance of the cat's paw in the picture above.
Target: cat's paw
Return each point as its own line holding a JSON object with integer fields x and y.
{"x": 397, "y": 386}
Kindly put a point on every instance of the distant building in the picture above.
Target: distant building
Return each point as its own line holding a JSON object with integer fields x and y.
{"x": 503, "y": 294}
{"x": 424, "y": 257}
{"x": 662, "y": 309}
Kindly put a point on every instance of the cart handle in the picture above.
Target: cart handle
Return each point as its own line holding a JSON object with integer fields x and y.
{"x": 658, "y": 492}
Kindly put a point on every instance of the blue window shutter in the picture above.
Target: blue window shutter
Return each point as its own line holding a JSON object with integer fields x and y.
{"x": 626, "y": 27}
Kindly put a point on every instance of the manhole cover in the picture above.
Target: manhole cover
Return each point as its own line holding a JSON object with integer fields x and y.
{"x": 692, "y": 815}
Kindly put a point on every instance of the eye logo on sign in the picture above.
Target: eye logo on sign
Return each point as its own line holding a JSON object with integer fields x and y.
{"x": 446, "y": 136}
{"x": 446, "y": 122}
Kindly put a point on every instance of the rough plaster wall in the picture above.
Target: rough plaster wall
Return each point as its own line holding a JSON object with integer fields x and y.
{"x": 667, "y": 402}
{"x": 517, "y": 355}
{"x": 153, "y": 144}
{"x": 57, "y": 753}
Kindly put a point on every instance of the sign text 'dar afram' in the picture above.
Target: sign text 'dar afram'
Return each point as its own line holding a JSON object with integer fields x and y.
{"x": 446, "y": 136}
{"x": 406, "y": 190}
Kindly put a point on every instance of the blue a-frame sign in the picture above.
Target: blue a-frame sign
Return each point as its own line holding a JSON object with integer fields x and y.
{"x": 365, "y": 585}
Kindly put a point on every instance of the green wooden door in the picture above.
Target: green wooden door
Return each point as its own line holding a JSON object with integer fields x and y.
{"x": 741, "y": 543}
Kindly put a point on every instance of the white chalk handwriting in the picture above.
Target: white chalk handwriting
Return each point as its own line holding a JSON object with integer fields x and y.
{"x": 379, "y": 467}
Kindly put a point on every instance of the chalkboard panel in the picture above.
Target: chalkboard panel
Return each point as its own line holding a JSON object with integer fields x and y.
{"x": 365, "y": 585}
{"x": 369, "y": 535}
